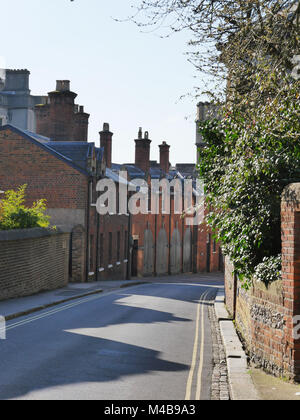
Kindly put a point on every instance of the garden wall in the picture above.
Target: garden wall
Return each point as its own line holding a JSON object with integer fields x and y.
{"x": 267, "y": 315}
{"x": 33, "y": 260}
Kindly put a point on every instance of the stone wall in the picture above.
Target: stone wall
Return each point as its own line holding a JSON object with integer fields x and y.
{"x": 261, "y": 320}
{"x": 33, "y": 260}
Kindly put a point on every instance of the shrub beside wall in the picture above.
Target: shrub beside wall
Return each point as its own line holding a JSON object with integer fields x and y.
{"x": 33, "y": 260}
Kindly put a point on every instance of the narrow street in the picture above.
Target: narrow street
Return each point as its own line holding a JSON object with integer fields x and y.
{"x": 147, "y": 342}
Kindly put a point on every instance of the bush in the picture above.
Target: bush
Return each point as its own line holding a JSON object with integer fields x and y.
{"x": 15, "y": 215}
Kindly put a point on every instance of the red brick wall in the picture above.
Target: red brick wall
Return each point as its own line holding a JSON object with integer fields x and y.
{"x": 58, "y": 119}
{"x": 170, "y": 222}
{"x": 291, "y": 266}
{"x": 48, "y": 177}
{"x": 23, "y": 162}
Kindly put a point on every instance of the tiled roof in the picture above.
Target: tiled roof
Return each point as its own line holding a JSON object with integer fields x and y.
{"x": 77, "y": 152}
{"x": 134, "y": 171}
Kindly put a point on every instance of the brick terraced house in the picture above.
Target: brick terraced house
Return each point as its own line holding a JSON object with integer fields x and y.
{"x": 60, "y": 165}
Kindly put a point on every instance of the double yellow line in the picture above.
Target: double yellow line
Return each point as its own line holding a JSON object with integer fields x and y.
{"x": 200, "y": 309}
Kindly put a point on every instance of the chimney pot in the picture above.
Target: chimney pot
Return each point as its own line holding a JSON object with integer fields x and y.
{"x": 63, "y": 85}
{"x": 105, "y": 127}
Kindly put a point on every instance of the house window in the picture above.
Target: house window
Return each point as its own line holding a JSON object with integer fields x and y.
{"x": 101, "y": 250}
{"x": 110, "y": 247}
{"x": 91, "y": 249}
{"x": 118, "y": 245}
{"x": 125, "y": 245}
{"x": 91, "y": 193}
{"x": 214, "y": 246}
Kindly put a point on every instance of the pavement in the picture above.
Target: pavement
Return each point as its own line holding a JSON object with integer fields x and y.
{"x": 246, "y": 382}
{"x": 273, "y": 389}
{"x": 241, "y": 385}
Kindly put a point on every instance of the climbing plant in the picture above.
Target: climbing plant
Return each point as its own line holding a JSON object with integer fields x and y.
{"x": 249, "y": 157}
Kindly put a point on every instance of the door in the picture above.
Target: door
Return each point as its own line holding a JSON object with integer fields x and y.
{"x": 175, "y": 252}
{"x": 162, "y": 253}
{"x": 134, "y": 258}
{"x": 187, "y": 251}
{"x": 208, "y": 248}
{"x": 148, "y": 253}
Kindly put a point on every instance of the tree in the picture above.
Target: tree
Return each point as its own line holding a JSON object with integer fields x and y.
{"x": 253, "y": 150}
{"x": 231, "y": 37}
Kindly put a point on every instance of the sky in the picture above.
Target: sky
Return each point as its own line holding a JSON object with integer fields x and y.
{"x": 122, "y": 75}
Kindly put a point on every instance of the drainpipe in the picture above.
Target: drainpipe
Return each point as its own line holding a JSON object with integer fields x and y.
{"x": 97, "y": 245}
{"x": 87, "y": 265}
{"x": 170, "y": 237}
{"x": 155, "y": 245}
{"x": 128, "y": 274}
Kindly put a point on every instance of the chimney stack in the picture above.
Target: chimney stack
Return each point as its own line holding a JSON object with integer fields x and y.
{"x": 142, "y": 151}
{"x": 106, "y": 143}
{"x": 164, "y": 161}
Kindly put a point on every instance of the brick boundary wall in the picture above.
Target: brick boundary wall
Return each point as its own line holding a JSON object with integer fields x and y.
{"x": 265, "y": 315}
{"x": 33, "y": 260}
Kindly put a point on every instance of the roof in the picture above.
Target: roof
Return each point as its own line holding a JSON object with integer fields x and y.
{"x": 47, "y": 146}
{"x": 155, "y": 173}
{"x": 115, "y": 176}
{"x": 77, "y": 152}
{"x": 37, "y": 137}
{"x": 134, "y": 171}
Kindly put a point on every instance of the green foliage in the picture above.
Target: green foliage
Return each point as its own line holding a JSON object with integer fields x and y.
{"x": 15, "y": 215}
{"x": 250, "y": 156}
{"x": 268, "y": 270}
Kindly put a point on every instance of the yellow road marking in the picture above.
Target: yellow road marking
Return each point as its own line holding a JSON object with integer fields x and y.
{"x": 195, "y": 350}
{"x": 199, "y": 377}
{"x": 52, "y": 312}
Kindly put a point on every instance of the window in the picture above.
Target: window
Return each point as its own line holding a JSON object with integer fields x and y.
{"x": 91, "y": 193}
{"x": 118, "y": 245}
{"x": 110, "y": 248}
{"x": 214, "y": 246}
{"x": 125, "y": 245}
{"x": 91, "y": 260}
{"x": 101, "y": 242}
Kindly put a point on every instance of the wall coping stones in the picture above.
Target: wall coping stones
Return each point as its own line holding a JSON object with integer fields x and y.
{"x": 21, "y": 234}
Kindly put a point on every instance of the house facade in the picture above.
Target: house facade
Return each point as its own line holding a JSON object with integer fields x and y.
{"x": 60, "y": 165}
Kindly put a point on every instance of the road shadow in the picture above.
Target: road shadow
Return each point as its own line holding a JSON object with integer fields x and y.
{"x": 52, "y": 352}
{"x": 99, "y": 361}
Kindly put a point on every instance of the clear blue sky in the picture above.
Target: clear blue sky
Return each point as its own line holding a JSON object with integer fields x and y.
{"x": 122, "y": 76}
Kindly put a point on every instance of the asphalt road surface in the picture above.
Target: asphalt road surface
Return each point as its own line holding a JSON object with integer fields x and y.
{"x": 148, "y": 342}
